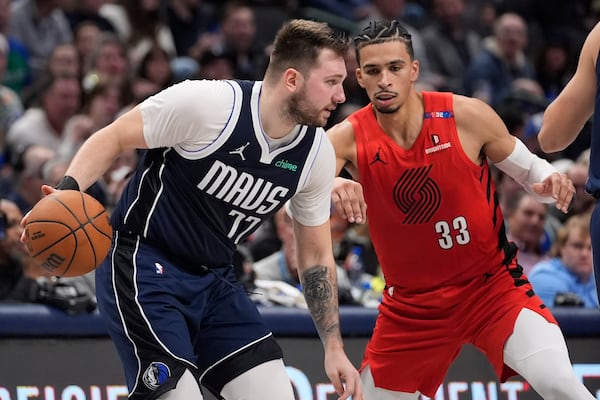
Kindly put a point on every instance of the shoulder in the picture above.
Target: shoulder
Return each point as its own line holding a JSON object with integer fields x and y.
{"x": 191, "y": 94}
{"x": 343, "y": 140}
{"x": 342, "y": 130}
{"x": 470, "y": 107}
{"x": 474, "y": 114}
{"x": 195, "y": 87}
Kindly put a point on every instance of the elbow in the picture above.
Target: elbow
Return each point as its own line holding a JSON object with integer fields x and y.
{"x": 549, "y": 144}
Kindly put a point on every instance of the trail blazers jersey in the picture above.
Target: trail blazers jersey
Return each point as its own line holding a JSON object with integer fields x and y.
{"x": 201, "y": 202}
{"x": 433, "y": 214}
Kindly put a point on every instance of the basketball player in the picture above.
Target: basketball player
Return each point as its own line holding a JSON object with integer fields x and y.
{"x": 564, "y": 118}
{"x": 452, "y": 277}
{"x": 223, "y": 157}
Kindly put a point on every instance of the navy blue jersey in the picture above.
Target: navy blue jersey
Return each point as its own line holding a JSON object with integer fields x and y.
{"x": 196, "y": 207}
{"x": 593, "y": 183}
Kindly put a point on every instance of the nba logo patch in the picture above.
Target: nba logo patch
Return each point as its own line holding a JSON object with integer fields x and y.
{"x": 155, "y": 375}
{"x": 159, "y": 269}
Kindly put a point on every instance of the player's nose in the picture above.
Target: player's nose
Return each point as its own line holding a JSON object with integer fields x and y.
{"x": 339, "y": 96}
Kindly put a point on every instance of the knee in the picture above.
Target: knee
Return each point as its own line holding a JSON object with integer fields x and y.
{"x": 267, "y": 381}
{"x": 559, "y": 385}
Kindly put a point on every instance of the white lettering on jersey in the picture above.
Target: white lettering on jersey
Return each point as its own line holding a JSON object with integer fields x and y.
{"x": 242, "y": 189}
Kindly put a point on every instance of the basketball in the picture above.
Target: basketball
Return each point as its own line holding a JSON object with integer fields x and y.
{"x": 68, "y": 232}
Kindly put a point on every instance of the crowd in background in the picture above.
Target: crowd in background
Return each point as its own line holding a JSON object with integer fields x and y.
{"x": 69, "y": 67}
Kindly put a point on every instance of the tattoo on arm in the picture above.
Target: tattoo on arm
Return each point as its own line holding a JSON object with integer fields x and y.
{"x": 321, "y": 298}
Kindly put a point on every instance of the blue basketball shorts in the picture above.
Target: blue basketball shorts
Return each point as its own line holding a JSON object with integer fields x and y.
{"x": 165, "y": 319}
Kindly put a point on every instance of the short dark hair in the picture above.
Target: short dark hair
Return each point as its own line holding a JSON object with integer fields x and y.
{"x": 298, "y": 45}
{"x": 383, "y": 31}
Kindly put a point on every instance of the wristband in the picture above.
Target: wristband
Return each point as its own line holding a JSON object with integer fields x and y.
{"x": 67, "y": 183}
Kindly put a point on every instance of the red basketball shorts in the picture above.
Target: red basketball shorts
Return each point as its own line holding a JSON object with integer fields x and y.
{"x": 419, "y": 333}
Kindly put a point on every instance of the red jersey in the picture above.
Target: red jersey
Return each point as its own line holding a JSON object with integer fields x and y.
{"x": 433, "y": 214}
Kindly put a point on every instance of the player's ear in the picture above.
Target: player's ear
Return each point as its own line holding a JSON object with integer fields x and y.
{"x": 359, "y": 77}
{"x": 414, "y": 73}
{"x": 292, "y": 79}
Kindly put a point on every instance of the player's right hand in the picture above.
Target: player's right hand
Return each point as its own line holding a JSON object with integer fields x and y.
{"x": 348, "y": 198}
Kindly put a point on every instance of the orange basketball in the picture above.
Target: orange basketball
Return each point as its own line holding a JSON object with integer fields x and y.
{"x": 68, "y": 232}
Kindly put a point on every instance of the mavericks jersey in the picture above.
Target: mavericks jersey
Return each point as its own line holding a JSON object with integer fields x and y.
{"x": 433, "y": 214}
{"x": 194, "y": 200}
{"x": 593, "y": 184}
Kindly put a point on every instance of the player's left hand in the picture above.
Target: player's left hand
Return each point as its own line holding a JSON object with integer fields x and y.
{"x": 347, "y": 197}
{"x": 46, "y": 190}
{"x": 560, "y": 187}
{"x": 344, "y": 377}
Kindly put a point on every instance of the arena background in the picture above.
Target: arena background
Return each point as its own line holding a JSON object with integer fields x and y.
{"x": 46, "y": 354}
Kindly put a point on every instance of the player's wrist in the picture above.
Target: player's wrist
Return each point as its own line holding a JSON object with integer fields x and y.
{"x": 67, "y": 183}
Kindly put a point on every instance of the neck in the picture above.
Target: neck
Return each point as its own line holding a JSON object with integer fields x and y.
{"x": 273, "y": 113}
{"x": 404, "y": 125}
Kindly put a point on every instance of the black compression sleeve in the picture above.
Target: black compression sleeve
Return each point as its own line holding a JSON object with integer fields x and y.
{"x": 67, "y": 183}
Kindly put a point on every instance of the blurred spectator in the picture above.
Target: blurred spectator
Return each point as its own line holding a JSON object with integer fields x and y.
{"x": 571, "y": 17}
{"x": 107, "y": 61}
{"x": 28, "y": 166}
{"x": 88, "y": 10}
{"x": 117, "y": 176}
{"x": 146, "y": 27}
{"x": 17, "y": 75}
{"x": 480, "y": 16}
{"x": 352, "y": 10}
{"x": 357, "y": 235}
{"x": 215, "y": 66}
{"x": 153, "y": 73}
{"x": 270, "y": 15}
{"x": 583, "y": 203}
{"x": 388, "y": 10}
{"x": 283, "y": 266}
{"x": 490, "y": 75}
{"x": 54, "y": 169}
{"x": 57, "y": 98}
{"x": 508, "y": 189}
{"x": 567, "y": 278}
{"x": 99, "y": 108}
{"x": 64, "y": 60}
{"x": 555, "y": 65}
{"x": 522, "y": 109}
{"x": 18, "y": 270}
{"x": 11, "y": 107}
{"x": 41, "y": 26}
{"x": 525, "y": 222}
{"x": 450, "y": 44}
{"x": 85, "y": 36}
{"x": 187, "y": 20}
{"x": 237, "y": 39}
{"x": 264, "y": 241}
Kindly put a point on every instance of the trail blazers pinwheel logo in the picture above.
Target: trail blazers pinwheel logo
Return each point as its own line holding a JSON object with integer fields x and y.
{"x": 417, "y": 195}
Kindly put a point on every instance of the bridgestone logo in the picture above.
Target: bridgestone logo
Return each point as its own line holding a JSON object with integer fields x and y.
{"x": 438, "y": 148}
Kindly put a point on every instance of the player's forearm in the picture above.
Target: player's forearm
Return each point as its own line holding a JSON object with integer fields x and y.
{"x": 93, "y": 158}
{"x": 320, "y": 292}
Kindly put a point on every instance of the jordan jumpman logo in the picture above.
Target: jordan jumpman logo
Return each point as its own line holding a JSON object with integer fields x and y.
{"x": 240, "y": 151}
{"x": 377, "y": 158}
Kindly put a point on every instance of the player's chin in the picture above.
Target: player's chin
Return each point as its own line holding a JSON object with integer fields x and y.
{"x": 324, "y": 118}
